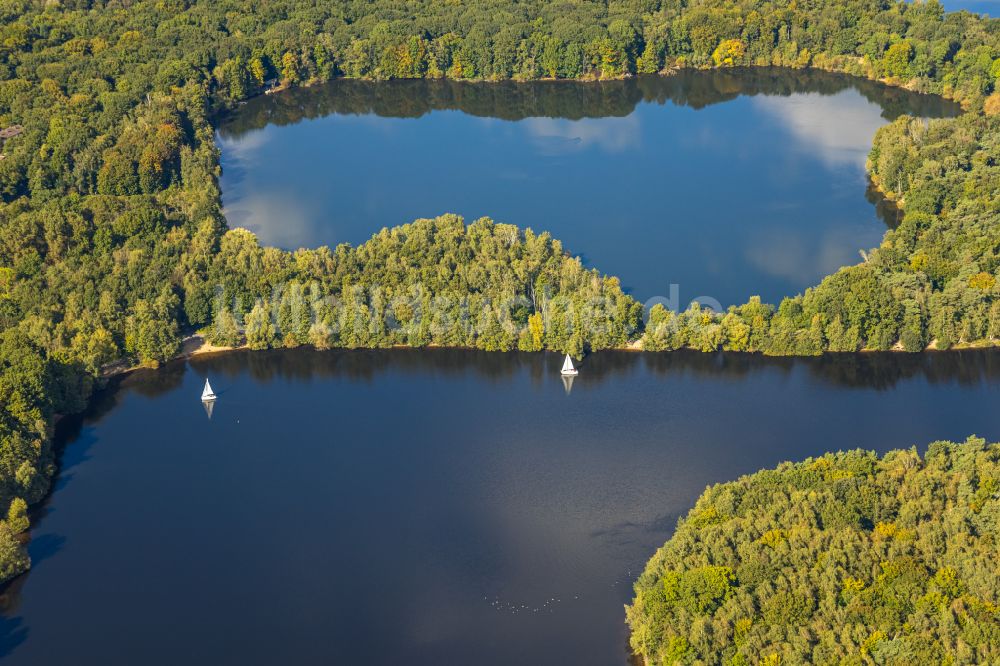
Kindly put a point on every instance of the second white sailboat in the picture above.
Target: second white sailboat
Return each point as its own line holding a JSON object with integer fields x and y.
{"x": 568, "y": 369}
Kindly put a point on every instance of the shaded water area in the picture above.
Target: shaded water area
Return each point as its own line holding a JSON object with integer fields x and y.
{"x": 725, "y": 183}
{"x": 424, "y": 506}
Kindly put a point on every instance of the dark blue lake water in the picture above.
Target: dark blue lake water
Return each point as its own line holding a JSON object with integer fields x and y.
{"x": 726, "y": 184}
{"x": 436, "y": 507}
{"x": 424, "y": 507}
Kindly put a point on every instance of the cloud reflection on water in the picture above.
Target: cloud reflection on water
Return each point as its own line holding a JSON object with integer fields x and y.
{"x": 836, "y": 128}
{"x": 558, "y": 136}
{"x": 658, "y": 180}
{"x": 792, "y": 256}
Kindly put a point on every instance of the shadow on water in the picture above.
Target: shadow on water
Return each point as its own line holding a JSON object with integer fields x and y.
{"x": 564, "y": 99}
{"x": 73, "y": 443}
{"x": 628, "y": 532}
{"x": 72, "y": 430}
{"x": 43, "y": 547}
{"x": 12, "y": 634}
{"x": 886, "y": 209}
{"x": 575, "y": 484}
{"x": 879, "y": 371}
{"x": 150, "y": 382}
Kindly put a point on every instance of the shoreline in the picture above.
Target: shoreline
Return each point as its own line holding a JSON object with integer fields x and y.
{"x": 196, "y": 345}
{"x": 832, "y": 66}
{"x": 223, "y": 110}
{"x": 953, "y": 81}
{"x": 191, "y": 346}
{"x": 667, "y": 71}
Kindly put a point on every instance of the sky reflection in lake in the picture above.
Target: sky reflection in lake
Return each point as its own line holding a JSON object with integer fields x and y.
{"x": 725, "y": 183}
{"x": 424, "y": 507}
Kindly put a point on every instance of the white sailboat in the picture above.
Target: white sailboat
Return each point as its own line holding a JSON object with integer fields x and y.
{"x": 568, "y": 369}
{"x": 207, "y": 395}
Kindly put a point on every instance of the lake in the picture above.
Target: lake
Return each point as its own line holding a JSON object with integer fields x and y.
{"x": 988, "y": 7}
{"x": 424, "y": 507}
{"x": 724, "y": 183}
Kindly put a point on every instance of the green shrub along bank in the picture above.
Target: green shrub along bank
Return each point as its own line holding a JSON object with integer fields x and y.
{"x": 844, "y": 559}
{"x": 112, "y": 243}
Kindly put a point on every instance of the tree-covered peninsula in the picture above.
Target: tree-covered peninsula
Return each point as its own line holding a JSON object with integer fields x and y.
{"x": 113, "y": 246}
{"x": 433, "y": 282}
{"x": 844, "y": 559}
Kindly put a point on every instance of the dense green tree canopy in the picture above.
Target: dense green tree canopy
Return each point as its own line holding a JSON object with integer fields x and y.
{"x": 113, "y": 246}
{"x": 844, "y": 559}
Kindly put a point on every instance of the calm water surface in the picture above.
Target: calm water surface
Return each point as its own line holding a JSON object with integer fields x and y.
{"x": 988, "y": 7}
{"x": 727, "y": 184}
{"x": 424, "y": 507}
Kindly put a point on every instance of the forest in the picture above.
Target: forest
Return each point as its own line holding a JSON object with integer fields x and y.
{"x": 433, "y": 282}
{"x": 113, "y": 246}
{"x": 844, "y": 559}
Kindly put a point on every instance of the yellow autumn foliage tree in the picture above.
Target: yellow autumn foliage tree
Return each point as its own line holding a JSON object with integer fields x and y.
{"x": 729, "y": 53}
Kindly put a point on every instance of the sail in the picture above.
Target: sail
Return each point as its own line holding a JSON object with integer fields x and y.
{"x": 568, "y": 365}
{"x": 208, "y": 393}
